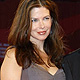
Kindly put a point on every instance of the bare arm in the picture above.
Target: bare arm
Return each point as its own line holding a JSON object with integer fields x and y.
{"x": 10, "y": 70}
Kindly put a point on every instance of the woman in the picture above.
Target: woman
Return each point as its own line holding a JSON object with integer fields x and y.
{"x": 36, "y": 47}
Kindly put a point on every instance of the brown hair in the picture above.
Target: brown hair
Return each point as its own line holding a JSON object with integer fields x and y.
{"x": 20, "y": 35}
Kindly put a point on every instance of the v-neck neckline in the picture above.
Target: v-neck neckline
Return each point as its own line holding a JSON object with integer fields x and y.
{"x": 45, "y": 69}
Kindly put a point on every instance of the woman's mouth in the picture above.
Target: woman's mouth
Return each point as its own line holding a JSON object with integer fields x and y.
{"x": 41, "y": 32}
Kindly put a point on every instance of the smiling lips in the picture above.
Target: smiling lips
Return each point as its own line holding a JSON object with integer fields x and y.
{"x": 41, "y": 32}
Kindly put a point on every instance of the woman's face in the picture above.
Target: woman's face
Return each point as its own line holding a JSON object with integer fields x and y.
{"x": 41, "y": 23}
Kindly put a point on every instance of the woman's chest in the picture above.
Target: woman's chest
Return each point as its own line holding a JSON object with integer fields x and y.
{"x": 37, "y": 73}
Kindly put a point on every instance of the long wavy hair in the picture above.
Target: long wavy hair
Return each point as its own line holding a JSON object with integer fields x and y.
{"x": 20, "y": 35}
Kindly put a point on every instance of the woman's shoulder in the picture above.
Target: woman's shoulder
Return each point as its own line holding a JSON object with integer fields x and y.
{"x": 10, "y": 55}
{"x": 10, "y": 65}
{"x": 10, "y": 52}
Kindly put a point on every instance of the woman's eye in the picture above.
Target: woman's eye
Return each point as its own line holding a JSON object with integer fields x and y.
{"x": 46, "y": 18}
{"x": 34, "y": 20}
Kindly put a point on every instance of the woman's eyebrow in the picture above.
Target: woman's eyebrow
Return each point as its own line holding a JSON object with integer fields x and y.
{"x": 37, "y": 17}
{"x": 47, "y": 16}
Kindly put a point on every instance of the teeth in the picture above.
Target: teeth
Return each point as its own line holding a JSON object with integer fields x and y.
{"x": 41, "y": 32}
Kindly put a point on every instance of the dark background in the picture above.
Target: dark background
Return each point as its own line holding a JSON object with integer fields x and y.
{"x": 69, "y": 19}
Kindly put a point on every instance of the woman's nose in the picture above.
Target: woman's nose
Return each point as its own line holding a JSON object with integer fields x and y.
{"x": 41, "y": 24}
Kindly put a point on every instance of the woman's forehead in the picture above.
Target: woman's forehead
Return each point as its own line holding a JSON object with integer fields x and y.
{"x": 37, "y": 11}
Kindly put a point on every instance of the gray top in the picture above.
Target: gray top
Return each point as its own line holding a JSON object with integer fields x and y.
{"x": 35, "y": 72}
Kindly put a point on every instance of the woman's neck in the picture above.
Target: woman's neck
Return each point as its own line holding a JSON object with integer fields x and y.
{"x": 39, "y": 44}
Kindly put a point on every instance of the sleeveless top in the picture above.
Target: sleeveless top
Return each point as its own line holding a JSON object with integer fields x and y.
{"x": 35, "y": 72}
